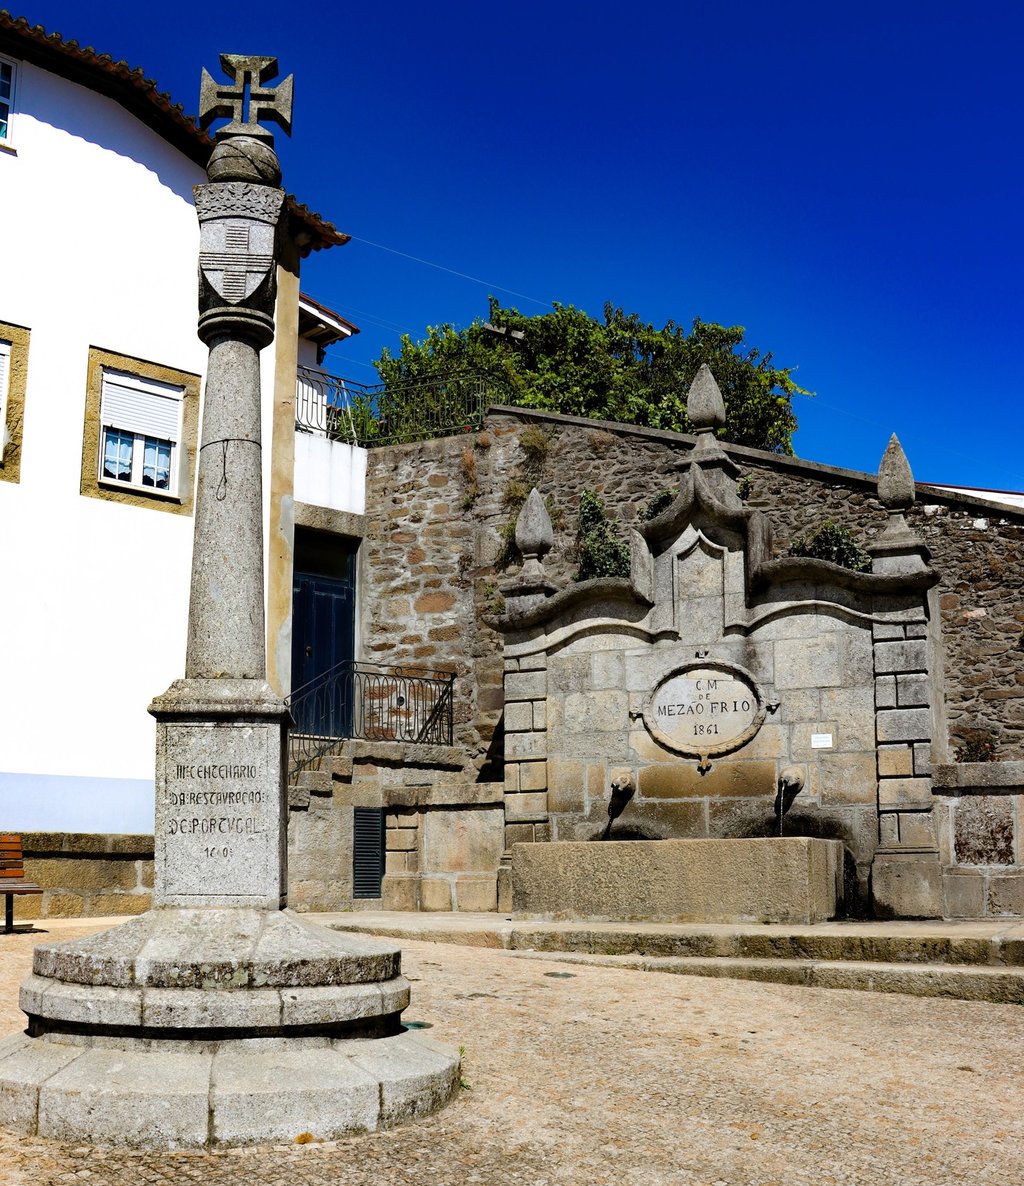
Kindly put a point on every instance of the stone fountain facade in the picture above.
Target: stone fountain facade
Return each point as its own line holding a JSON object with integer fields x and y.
{"x": 713, "y": 667}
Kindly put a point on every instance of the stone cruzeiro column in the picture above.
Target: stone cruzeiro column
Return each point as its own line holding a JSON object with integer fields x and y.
{"x": 142, "y": 1035}
{"x": 239, "y": 214}
{"x": 221, "y": 731}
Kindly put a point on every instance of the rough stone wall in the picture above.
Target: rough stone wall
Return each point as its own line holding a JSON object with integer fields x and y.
{"x": 86, "y": 875}
{"x": 420, "y": 576}
{"x": 980, "y": 556}
{"x": 438, "y": 518}
{"x": 438, "y": 510}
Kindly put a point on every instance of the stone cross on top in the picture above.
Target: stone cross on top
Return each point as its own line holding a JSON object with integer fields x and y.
{"x": 247, "y": 100}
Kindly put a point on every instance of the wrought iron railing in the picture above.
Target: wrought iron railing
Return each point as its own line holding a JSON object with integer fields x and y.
{"x": 388, "y": 413}
{"x": 370, "y": 701}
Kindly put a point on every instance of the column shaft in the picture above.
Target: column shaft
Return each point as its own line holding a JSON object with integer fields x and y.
{"x": 226, "y": 634}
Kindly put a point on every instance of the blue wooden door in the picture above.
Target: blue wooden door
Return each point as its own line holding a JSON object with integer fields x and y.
{"x": 323, "y": 636}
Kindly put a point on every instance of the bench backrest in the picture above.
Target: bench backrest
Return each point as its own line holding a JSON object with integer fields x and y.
{"x": 12, "y": 863}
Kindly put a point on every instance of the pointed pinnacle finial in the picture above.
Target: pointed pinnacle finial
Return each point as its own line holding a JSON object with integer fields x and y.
{"x": 704, "y": 404}
{"x": 895, "y": 481}
{"x": 534, "y": 533}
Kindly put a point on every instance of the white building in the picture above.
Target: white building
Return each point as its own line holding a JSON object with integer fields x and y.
{"x": 100, "y": 388}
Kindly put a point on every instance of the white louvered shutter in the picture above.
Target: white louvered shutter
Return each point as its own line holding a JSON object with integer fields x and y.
{"x": 140, "y": 406}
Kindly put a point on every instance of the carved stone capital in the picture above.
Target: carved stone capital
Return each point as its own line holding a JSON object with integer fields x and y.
{"x": 237, "y": 252}
{"x": 241, "y": 199}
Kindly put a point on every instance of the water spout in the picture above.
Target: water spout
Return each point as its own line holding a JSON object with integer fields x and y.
{"x": 623, "y": 790}
{"x": 791, "y": 783}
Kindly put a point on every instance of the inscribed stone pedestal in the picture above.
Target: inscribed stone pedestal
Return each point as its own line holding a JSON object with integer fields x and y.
{"x": 221, "y": 827}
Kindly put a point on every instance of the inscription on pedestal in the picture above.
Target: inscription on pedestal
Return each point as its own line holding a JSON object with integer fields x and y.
{"x": 219, "y": 830}
{"x": 704, "y": 710}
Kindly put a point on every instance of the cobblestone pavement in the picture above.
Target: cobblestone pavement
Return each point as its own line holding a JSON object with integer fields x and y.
{"x": 592, "y": 1075}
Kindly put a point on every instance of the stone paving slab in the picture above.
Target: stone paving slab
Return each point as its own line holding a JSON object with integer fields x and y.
{"x": 615, "y": 1077}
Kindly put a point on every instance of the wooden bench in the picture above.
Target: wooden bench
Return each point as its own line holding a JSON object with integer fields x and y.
{"x": 12, "y": 876}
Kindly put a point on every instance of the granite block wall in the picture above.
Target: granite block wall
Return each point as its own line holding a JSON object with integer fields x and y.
{"x": 86, "y": 875}
{"x": 444, "y": 829}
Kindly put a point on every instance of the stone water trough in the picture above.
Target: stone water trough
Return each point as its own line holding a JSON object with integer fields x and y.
{"x": 783, "y": 879}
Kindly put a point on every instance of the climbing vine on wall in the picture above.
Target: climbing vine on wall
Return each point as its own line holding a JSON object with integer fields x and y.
{"x": 831, "y": 541}
{"x": 600, "y": 549}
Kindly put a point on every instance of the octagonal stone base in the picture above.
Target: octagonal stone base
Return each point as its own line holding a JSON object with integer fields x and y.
{"x": 187, "y": 1095}
{"x": 188, "y": 1028}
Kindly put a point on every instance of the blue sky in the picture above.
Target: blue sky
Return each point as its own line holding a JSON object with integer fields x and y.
{"x": 845, "y": 181}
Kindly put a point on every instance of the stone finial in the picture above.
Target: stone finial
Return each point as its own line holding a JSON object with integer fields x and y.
{"x": 244, "y": 150}
{"x": 898, "y": 549}
{"x": 534, "y": 534}
{"x": 239, "y": 210}
{"x": 705, "y": 410}
{"x": 247, "y": 100}
{"x": 704, "y": 404}
{"x": 895, "y": 481}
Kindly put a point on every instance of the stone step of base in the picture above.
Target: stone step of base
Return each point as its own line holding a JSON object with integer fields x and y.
{"x": 967, "y": 983}
{"x": 778, "y": 943}
{"x": 182, "y": 1095}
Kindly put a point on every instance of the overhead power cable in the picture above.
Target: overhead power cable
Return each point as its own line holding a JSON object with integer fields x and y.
{"x": 452, "y": 272}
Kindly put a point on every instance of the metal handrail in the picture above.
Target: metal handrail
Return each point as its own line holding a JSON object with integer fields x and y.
{"x": 372, "y": 701}
{"x": 376, "y": 414}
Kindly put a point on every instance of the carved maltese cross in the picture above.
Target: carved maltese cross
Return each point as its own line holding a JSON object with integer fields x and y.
{"x": 246, "y": 101}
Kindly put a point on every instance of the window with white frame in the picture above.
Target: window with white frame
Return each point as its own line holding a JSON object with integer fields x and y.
{"x": 6, "y": 97}
{"x": 140, "y": 431}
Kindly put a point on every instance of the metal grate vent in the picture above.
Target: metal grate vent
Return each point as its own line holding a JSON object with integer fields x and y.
{"x": 367, "y": 852}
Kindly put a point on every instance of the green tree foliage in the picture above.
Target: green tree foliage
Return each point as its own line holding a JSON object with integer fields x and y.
{"x": 600, "y": 549}
{"x": 620, "y": 369}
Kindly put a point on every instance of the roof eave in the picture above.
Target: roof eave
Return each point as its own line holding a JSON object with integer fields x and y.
{"x": 139, "y": 95}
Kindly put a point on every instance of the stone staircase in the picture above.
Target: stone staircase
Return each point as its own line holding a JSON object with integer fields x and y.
{"x": 962, "y": 982}
{"x": 318, "y": 779}
{"x": 976, "y": 961}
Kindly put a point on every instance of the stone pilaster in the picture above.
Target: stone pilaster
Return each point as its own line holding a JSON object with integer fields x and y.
{"x": 906, "y": 872}
{"x": 400, "y": 889}
{"x": 526, "y": 766}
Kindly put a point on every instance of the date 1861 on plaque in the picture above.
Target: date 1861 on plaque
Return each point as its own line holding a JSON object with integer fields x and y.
{"x": 704, "y": 710}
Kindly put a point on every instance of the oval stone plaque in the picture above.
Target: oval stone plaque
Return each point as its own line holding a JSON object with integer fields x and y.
{"x": 704, "y": 709}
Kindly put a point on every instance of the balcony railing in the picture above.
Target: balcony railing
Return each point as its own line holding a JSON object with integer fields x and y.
{"x": 388, "y": 413}
{"x": 370, "y": 701}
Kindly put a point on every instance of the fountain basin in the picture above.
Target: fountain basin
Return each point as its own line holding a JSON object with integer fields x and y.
{"x": 790, "y": 879}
